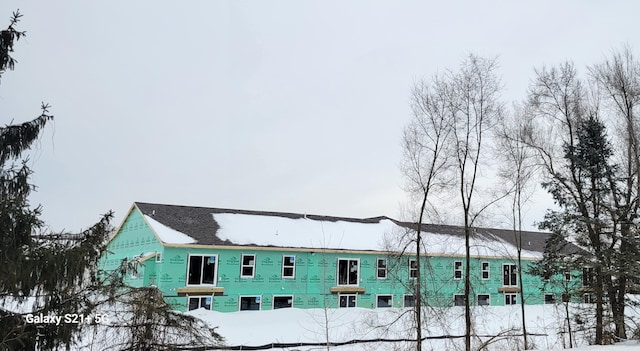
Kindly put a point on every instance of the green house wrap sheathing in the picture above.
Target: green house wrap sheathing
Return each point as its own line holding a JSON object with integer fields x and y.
{"x": 312, "y": 278}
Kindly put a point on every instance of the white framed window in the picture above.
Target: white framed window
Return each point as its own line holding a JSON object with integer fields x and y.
{"x": 457, "y": 270}
{"x": 288, "y": 266}
{"x": 348, "y": 271}
{"x": 202, "y": 270}
{"x": 589, "y": 298}
{"x": 549, "y": 299}
{"x": 510, "y": 299}
{"x": 413, "y": 268}
{"x": 381, "y": 268}
{"x": 383, "y": 301}
{"x": 484, "y": 299}
{"x": 195, "y": 302}
{"x": 284, "y": 301}
{"x": 588, "y": 276}
{"x": 567, "y": 276}
{"x": 509, "y": 275}
{"x": 158, "y": 257}
{"x": 347, "y": 300}
{"x": 408, "y": 301}
{"x": 248, "y": 267}
{"x": 458, "y": 300}
{"x": 250, "y": 303}
{"x": 485, "y": 271}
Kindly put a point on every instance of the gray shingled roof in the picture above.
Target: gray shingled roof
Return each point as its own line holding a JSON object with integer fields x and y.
{"x": 198, "y": 223}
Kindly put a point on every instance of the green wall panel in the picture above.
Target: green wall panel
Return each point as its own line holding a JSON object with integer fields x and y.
{"x": 315, "y": 274}
{"x": 134, "y": 238}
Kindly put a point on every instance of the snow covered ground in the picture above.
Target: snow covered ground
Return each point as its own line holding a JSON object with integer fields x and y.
{"x": 250, "y": 328}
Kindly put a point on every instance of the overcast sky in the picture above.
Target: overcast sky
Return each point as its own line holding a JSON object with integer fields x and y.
{"x": 293, "y": 106}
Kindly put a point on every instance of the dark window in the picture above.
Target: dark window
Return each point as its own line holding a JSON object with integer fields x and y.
{"x": 457, "y": 270}
{"x": 382, "y": 268}
{"x": 282, "y": 302}
{"x": 483, "y": 300}
{"x": 549, "y": 299}
{"x": 567, "y": 276}
{"x": 589, "y": 298}
{"x": 347, "y": 301}
{"x": 248, "y": 266}
{"x": 588, "y": 277}
{"x": 384, "y": 301}
{"x": 413, "y": 268}
{"x": 509, "y": 275}
{"x": 347, "y": 272}
{"x": 409, "y": 301}
{"x": 485, "y": 270}
{"x": 202, "y": 270}
{"x": 288, "y": 266}
{"x": 196, "y": 302}
{"x": 458, "y": 300}
{"x": 250, "y": 303}
{"x": 510, "y": 299}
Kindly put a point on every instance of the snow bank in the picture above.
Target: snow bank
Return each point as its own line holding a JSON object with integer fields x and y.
{"x": 292, "y": 325}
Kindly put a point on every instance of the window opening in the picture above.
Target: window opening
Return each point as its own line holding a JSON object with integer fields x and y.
{"x": 248, "y": 266}
{"x": 282, "y": 302}
{"x": 201, "y": 270}
{"x": 347, "y": 300}
{"x": 382, "y": 268}
{"x": 413, "y": 268}
{"x": 250, "y": 303}
{"x": 196, "y": 302}
{"x": 384, "y": 301}
{"x": 288, "y": 266}
{"x": 485, "y": 270}
{"x": 457, "y": 270}
{"x": 510, "y": 299}
{"x": 348, "y": 272}
{"x": 409, "y": 301}
{"x": 509, "y": 275}
{"x": 549, "y": 299}
{"x": 483, "y": 300}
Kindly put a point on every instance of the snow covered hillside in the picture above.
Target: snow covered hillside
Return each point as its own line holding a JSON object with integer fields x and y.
{"x": 545, "y": 322}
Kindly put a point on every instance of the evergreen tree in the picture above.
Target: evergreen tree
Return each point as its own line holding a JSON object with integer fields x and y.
{"x": 582, "y": 188}
{"x": 55, "y": 274}
{"x": 46, "y": 272}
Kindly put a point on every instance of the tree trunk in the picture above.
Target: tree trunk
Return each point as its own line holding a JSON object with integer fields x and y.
{"x": 467, "y": 287}
{"x": 418, "y": 290}
{"x": 566, "y": 311}
{"x": 599, "y": 306}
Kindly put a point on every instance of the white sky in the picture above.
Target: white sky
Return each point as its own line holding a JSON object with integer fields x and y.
{"x": 271, "y": 105}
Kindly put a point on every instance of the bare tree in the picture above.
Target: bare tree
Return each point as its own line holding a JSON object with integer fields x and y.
{"x": 443, "y": 146}
{"x": 475, "y": 106}
{"x": 617, "y": 81}
{"x": 573, "y": 148}
{"x": 604, "y": 199}
{"x": 426, "y": 165}
{"x": 517, "y": 171}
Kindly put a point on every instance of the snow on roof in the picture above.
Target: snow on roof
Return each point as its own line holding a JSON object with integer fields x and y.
{"x": 264, "y": 230}
{"x": 168, "y": 235}
{"x": 481, "y": 245}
